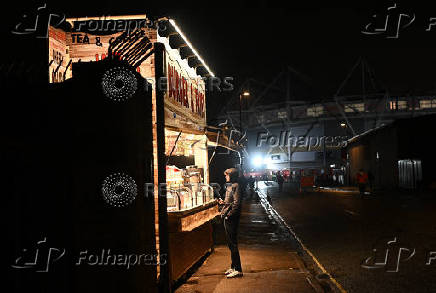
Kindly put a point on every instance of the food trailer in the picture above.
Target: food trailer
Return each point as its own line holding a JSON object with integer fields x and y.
{"x": 183, "y": 198}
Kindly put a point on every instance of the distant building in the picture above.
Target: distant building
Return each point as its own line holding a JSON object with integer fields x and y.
{"x": 399, "y": 155}
{"x": 311, "y": 126}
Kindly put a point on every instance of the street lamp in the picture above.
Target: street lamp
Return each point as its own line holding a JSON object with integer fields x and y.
{"x": 243, "y": 94}
{"x": 344, "y": 126}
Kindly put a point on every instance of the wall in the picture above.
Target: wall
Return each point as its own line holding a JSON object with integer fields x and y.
{"x": 363, "y": 154}
{"x": 62, "y": 144}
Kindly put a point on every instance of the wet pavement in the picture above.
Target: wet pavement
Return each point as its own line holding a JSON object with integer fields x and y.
{"x": 269, "y": 256}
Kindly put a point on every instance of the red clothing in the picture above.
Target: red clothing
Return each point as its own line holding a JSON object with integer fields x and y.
{"x": 362, "y": 178}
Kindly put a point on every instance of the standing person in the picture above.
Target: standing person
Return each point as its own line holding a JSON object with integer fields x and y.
{"x": 362, "y": 179}
{"x": 280, "y": 181}
{"x": 251, "y": 185}
{"x": 230, "y": 214}
{"x": 298, "y": 179}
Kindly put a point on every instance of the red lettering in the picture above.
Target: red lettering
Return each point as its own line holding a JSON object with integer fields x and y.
{"x": 185, "y": 93}
{"x": 197, "y": 109}
{"x": 201, "y": 104}
{"x": 177, "y": 86}
{"x": 192, "y": 99}
{"x": 170, "y": 82}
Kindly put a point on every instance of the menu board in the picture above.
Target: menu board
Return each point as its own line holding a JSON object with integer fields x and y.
{"x": 58, "y": 56}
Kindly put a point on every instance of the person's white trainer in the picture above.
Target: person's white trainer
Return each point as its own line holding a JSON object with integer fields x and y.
{"x": 228, "y": 271}
{"x": 235, "y": 274}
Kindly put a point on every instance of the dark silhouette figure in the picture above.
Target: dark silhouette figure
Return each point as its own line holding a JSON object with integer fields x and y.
{"x": 280, "y": 181}
{"x": 362, "y": 180}
{"x": 230, "y": 214}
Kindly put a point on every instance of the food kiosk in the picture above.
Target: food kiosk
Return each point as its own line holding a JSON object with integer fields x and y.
{"x": 185, "y": 207}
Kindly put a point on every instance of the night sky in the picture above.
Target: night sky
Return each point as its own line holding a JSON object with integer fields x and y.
{"x": 257, "y": 39}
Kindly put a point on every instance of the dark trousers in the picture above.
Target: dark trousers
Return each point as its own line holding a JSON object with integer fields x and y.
{"x": 280, "y": 187}
{"x": 231, "y": 228}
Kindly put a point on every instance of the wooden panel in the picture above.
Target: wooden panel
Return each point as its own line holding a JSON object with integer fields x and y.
{"x": 191, "y": 219}
{"x": 186, "y": 248}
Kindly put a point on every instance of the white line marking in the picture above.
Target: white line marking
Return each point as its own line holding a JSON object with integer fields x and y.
{"x": 320, "y": 266}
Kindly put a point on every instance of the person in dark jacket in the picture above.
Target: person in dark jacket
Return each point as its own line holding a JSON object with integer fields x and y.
{"x": 251, "y": 185}
{"x": 230, "y": 214}
{"x": 280, "y": 181}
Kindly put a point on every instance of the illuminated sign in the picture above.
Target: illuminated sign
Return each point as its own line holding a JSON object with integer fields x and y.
{"x": 186, "y": 92}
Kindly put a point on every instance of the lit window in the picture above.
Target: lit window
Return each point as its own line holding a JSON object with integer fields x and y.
{"x": 398, "y": 105}
{"x": 427, "y": 104}
{"x": 282, "y": 115}
{"x": 355, "y": 107}
{"x": 402, "y": 105}
{"x": 315, "y": 111}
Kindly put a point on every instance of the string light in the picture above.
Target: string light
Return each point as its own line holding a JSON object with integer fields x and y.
{"x": 191, "y": 47}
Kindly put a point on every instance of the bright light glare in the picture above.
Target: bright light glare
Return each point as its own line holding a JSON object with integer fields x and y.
{"x": 257, "y": 161}
{"x": 246, "y": 94}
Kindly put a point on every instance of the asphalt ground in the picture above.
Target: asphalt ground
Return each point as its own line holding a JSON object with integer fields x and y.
{"x": 350, "y": 236}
